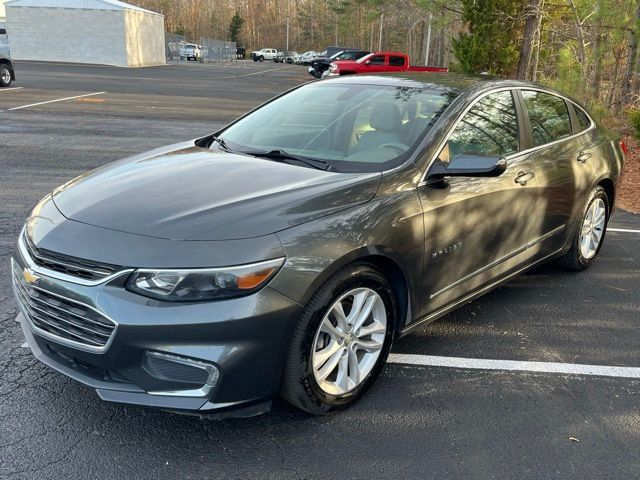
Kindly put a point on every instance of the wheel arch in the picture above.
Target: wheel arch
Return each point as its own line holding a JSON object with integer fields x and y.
{"x": 610, "y": 189}
{"x": 388, "y": 263}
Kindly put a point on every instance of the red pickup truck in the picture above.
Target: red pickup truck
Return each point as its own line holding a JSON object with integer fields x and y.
{"x": 379, "y": 62}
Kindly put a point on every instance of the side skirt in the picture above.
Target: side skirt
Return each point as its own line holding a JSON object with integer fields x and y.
{"x": 448, "y": 308}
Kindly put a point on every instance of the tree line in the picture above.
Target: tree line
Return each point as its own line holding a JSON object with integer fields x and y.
{"x": 588, "y": 48}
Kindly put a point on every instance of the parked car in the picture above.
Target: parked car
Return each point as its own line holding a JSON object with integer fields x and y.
{"x": 286, "y": 56}
{"x": 306, "y": 60}
{"x": 282, "y": 256}
{"x": 320, "y": 66}
{"x": 264, "y": 54}
{"x": 7, "y": 72}
{"x": 297, "y": 59}
{"x": 191, "y": 51}
{"x": 379, "y": 62}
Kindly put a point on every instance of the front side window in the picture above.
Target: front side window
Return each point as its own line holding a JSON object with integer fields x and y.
{"x": 489, "y": 128}
{"x": 377, "y": 60}
{"x": 352, "y": 127}
{"x": 548, "y": 115}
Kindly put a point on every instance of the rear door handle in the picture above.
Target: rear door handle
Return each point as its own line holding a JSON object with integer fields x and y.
{"x": 524, "y": 177}
{"x": 584, "y": 156}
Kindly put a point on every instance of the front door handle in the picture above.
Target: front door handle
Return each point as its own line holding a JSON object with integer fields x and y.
{"x": 524, "y": 177}
{"x": 584, "y": 156}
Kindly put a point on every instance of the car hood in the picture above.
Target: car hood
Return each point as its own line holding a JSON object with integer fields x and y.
{"x": 193, "y": 193}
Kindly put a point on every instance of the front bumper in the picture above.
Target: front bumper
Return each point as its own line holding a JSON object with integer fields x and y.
{"x": 244, "y": 339}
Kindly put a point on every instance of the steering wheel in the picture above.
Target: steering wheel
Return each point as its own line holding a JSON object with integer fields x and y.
{"x": 401, "y": 147}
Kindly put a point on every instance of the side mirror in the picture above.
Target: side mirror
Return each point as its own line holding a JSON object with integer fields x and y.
{"x": 469, "y": 166}
{"x": 3, "y": 31}
{"x": 368, "y": 62}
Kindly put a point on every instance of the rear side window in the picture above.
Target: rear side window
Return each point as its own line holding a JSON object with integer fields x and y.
{"x": 377, "y": 60}
{"x": 548, "y": 115}
{"x": 396, "y": 61}
{"x": 489, "y": 128}
{"x": 583, "y": 120}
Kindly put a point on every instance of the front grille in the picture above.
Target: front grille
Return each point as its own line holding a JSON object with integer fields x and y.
{"x": 62, "y": 317}
{"x": 76, "y": 267}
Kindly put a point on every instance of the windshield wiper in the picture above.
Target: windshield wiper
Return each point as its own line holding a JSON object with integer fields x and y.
{"x": 221, "y": 142}
{"x": 282, "y": 156}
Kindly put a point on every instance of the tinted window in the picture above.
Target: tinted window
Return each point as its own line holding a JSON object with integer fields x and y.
{"x": 583, "y": 119}
{"x": 377, "y": 60}
{"x": 548, "y": 115}
{"x": 396, "y": 61}
{"x": 489, "y": 128}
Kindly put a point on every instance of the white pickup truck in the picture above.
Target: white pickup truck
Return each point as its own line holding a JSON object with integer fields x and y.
{"x": 264, "y": 54}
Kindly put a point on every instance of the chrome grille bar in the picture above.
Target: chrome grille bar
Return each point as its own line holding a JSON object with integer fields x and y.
{"x": 63, "y": 319}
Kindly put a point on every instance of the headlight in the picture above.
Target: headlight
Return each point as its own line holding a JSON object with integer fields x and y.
{"x": 200, "y": 284}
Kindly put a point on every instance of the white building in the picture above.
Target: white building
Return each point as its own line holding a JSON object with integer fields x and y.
{"x": 85, "y": 31}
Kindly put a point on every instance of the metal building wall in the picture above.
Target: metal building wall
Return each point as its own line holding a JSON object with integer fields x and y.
{"x": 67, "y": 35}
{"x": 145, "y": 43}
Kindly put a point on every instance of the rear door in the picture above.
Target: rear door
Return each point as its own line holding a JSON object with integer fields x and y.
{"x": 477, "y": 229}
{"x": 397, "y": 63}
{"x": 562, "y": 161}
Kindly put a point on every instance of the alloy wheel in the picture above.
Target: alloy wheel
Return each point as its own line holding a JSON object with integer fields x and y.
{"x": 593, "y": 229}
{"x": 349, "y": 341}
{"x": 5, "y": 75}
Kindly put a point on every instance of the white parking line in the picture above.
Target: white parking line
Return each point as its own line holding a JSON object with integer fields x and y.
{"x": 254, "y": 73}
{"x": 9, "y": 89}
{"x": 623, "y": 230}
{"x": 514, "y": 365}
{"x": 53, "y": 101}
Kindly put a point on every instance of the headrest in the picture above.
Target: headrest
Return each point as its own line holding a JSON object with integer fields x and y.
{"x": 386, "y": 117}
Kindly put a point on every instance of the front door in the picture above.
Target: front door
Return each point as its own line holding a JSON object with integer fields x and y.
{"x": 477, "y": 229}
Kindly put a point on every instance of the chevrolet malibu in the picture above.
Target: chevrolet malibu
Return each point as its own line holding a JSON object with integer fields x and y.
{"x": 282, "y": 254}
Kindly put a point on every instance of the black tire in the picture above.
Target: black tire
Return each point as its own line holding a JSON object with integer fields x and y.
{"x": 261, "y": 59}
{"x": 5, "y": 71}
{"x": 299, "y": 386}
{"x": 573, "y": 259}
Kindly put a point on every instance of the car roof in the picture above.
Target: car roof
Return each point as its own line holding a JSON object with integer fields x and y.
{"x": 452, "y": 81}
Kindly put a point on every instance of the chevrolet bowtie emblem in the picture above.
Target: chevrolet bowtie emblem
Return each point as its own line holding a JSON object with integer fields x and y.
{"x": 30, "y": 277}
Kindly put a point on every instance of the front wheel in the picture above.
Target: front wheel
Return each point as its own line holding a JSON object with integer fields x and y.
{"x": 5, "y": 76}
{"x": 588, "y": 239}
{"x": 341, "y": 341}
{"x": 261, "y": 59}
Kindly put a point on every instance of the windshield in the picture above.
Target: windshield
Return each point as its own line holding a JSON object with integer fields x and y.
{"x": 354, "y": 128}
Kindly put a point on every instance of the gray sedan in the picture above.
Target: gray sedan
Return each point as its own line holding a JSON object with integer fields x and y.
{"x": 283, "y": 254}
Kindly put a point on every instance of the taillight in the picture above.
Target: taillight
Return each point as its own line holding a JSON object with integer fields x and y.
{"x": 624, "y": 148}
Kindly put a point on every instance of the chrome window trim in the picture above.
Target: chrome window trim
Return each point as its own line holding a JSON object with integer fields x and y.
{"x": 69, "y": 343}
{"x": 513, "y": 155}
{"x": 22, "y": 248}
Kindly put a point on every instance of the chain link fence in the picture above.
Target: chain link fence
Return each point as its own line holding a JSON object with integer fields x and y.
{"x": 217, "y": 50}
{"x": 172, "y": 44}
{"x": 212, "y": 50}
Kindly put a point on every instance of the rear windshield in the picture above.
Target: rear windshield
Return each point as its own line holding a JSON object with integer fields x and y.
{"x": 354, "y": 128}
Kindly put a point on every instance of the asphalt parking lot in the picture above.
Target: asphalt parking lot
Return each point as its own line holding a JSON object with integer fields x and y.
{"x": 421, "y": 420}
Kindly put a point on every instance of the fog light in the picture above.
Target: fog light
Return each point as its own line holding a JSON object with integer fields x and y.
{"x": 177, "y": 369}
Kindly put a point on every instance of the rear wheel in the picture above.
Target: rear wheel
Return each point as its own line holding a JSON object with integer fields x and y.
{"x": 588, "y": 239}
{"x": 5, "y": 76}
{"x": 341, "y": 341}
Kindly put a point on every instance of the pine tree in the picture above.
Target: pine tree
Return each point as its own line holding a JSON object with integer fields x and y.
{"x": 491, "y": 43}
{"x": 235, "y": 27}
